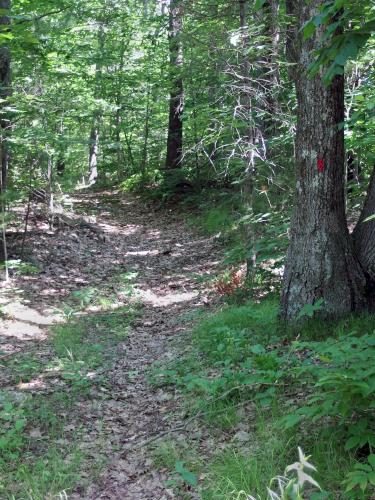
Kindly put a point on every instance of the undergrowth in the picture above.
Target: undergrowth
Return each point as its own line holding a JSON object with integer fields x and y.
{"x": 311, "y": 385}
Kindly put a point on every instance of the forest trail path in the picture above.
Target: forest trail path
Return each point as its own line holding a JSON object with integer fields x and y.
{"x": 163, "y": 258}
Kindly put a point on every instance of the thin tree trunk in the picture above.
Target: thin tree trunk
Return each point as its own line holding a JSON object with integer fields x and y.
{"x": 130, "y": 152}
{"x": 146, "y": 132}
{"x": 118, "y": 117}
{"x": 93, "y": 154}
{"x": 5, "y": 90}
{"x": 249, "y": 140}
{"x": 4, "y": 94}
{"x": 270, "y": 71}
{"x": 95, "y": 130}
{"x": 320, "y": 262}
{"x": 176, "y": 102}
{"x": 50, "y": 182}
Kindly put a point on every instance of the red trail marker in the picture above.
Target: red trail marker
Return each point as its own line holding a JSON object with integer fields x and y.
{"x": 320, "y": 165}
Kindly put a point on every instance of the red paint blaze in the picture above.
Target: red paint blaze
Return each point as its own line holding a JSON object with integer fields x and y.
{"x": 320, "y": 165}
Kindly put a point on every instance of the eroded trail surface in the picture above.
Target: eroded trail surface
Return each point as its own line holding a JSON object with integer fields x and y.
{"x": 164, "y": 257}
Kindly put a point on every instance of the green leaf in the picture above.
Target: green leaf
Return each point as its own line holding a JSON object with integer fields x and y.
{"x": 189, "y": 478}
{"x": 19, "y": 424}
{"x": 371, "y": 460}
{"x": 352, "y": 442}
{"x": 259, "y": 4}
{"x": 291, "y": 421}
{"x": 257, "y": 349}
{"x": 308, "y": 29}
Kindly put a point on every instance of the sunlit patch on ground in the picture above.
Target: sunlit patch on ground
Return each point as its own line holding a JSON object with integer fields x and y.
{"x": 24, "y": 322}
{"x": 155, "y": 300}
{"x": 21, "y": 330}
{"x": 143, "y": 253}
{"x": 27, "y": 314}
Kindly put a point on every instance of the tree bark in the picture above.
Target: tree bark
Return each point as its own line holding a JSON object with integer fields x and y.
{"x": 364, "y": 240}
{"x": 176, "y": 102}
{"x": 5, "y": 90}
{"x": 321, "y": 263}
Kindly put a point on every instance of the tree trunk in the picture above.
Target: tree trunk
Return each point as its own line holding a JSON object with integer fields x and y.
{"x": 95, "y": 134}
{"x": 364, "y": 240}
{"x": 93, "y": 155}
{"x": 249, "y": 144}
{"x": 270, "y": 70}
{"x": 176, "y": 102}
{"x": 146, "y": 132}
{"x": 5, "y": 90}
{"x": 4, "y": 94}
{"x": 118, "y": 116}
{"x": 320, "y": 262}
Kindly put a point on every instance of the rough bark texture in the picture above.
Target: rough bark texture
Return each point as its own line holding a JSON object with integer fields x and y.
{"x": 364, "y": 240}
{"x": 176, "y": 103}
{"x": 4, "y": 93}
{"x": 320, "y": 262}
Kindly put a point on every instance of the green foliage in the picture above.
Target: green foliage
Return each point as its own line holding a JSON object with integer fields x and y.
{"x": 344, "y": 386}
{"x": 86, "y": 344}
{"x": 309, "y": 310}
{"x": 187, "y": 476}
{"x": 13, "y": 421}
{"x": 242, "y": 357}
{"x": 296, "y": 487}
{"x": 139, "y": 181}
{"x": 348, "y": 27}
{"x": 360, "y": 478}
{"x": 233, "y": 331}
{"x": 249, "y": 469}
{"x": 20, "y": 267}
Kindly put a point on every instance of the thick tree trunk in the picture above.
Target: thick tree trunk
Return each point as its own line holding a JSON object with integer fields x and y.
{"x": 176, "y": 102}
{"x": 320, "y": 262}
{"x": 364, "y": 240}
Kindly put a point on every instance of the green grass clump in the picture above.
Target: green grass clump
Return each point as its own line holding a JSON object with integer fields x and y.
{"x": 54, "y": 474}
{"x": 231, "y": 332}
{"x": 248, "y": 470}
{"x": 250, "y": 466}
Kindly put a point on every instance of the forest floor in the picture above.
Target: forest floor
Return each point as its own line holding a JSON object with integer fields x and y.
{"x": 81, "y": 328}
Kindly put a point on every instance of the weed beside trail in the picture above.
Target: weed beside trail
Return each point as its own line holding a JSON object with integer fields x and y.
{"x": 260, "y": 391}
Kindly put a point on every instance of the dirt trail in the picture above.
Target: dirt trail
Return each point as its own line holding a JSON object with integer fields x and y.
{"x": 167, "y": 257}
